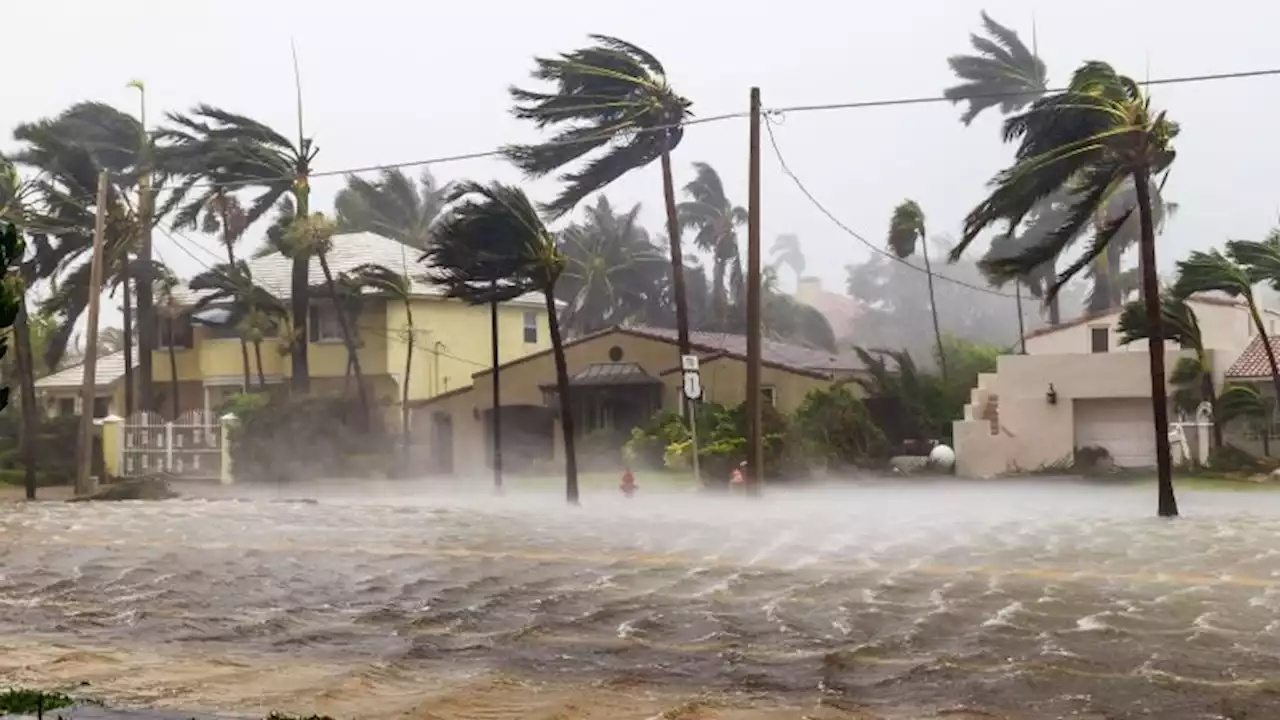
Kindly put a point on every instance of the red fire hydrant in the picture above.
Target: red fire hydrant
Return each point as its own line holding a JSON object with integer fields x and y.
{"x": 738, "y": 479}
{"x": 628, "y": 485}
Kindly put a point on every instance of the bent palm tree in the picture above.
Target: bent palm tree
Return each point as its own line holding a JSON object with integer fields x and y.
{"x": 1089, "y": 139}
{"x": 392, "y": 206}
{"x": 1213, "y": 271}
{"x": 1244, "y": 402}
{"x": 1193, "y": 377}
{"x": 786, "y": 250}
{"x": 716, "y": 220}
{"x": 611, "y": 97}
{"x": 906, "y": 237}
{"x": 493, "y": 247}
{"x": 393, "y": 284}
{"x": 1002, "y": 73}
{"x": 224, "y": 149}
{"x": 248, "y": 305}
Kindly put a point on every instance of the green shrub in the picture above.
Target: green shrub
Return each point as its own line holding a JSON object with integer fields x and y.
{"x": 283, "y": 440}
{"x": 837, "y": 430}
{"x": 56, "y": 441}
{"x": 721, "y": 443}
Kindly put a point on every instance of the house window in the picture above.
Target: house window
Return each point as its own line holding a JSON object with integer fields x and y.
{"x": 101, "y": 407}
{"x": 66, "y": 406}
{"x": 175, "y": 333}
{"x": 530, "y": 326}
{"x": 769, "y": 394}
{"x": 323, "y": 324}
{"x": 1099, "y": 339}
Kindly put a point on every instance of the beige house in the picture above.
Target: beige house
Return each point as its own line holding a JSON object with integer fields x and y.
{"x": 618, "y": 378}
{"x": 1077, "y": 386}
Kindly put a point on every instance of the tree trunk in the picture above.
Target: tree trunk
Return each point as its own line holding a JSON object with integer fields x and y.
{"x": 1022, "y": 329}
{"x": 933, "y": 308}
{"x": 300, "y": 302}
{"x": 146, "y": 315}
{"x": 496, "y": 413}
{"x": 229, "y": 243}
{"x": 349, "y": 338}
{"x": 30, "y": 411}
{"x": 1212, "y": 396}
{"x": 128, "y": 338}
{"x": 173, "y": 367}
{"x": 566, "y": 407}
{"x": 404, "y": 390}
{"x": 677, "y": 264}
{"x": 257, "y": 356}
{"x": 1167, "y": 504}
{"x": 1266, "y": 343}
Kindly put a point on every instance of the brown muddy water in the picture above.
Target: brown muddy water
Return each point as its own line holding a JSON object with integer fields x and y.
{"x": 902, "y": 601}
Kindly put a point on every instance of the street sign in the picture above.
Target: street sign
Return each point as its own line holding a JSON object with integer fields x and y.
{"x": 692, "y": 385}
{"x": 689, "y": 363}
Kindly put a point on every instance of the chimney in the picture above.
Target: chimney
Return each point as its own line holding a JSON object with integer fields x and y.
{"x": 808, "y": 289}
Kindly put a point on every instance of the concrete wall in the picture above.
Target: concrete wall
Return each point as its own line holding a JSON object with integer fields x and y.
{"x": 1009, "y": 425}
{"x": 1223, "y": 327}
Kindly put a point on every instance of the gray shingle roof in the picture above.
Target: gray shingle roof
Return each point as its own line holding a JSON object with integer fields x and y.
{"x": 349, "y": 251}
{"x": 109, "y": 369}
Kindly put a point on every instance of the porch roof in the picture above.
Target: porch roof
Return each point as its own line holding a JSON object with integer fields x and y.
{"x": 610, "y": 374}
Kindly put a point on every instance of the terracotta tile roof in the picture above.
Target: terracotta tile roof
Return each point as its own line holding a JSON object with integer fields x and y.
{"x": 1253, "y": 362}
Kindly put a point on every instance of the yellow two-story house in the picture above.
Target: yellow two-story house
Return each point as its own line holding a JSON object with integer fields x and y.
{"x": 451, "y": 339}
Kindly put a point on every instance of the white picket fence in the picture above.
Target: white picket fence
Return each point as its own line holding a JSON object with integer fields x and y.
{"x": 190, "y": 447}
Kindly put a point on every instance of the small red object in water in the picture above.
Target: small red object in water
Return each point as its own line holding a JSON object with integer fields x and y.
{"x": 737, "y": 478}
{"x": 628, "y": 485}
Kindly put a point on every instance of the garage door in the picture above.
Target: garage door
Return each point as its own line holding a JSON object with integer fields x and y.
{"x": 1123, "y": 427}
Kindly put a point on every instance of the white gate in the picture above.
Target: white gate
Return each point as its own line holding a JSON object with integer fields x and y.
{"x": 189, "y": 448}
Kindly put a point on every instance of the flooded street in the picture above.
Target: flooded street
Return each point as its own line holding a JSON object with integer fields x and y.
{"x": 1013, "y": 600}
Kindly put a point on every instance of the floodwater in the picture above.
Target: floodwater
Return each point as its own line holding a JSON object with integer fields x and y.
{"x": 906, "y": 600}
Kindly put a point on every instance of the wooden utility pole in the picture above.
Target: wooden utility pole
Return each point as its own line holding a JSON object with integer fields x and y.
{"x": 145, "y": 279}
{"x": 84, "y": 446}
{"x": 755, "y": 447}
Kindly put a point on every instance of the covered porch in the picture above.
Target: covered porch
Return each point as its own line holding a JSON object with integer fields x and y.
{"x": 608, "y": 401}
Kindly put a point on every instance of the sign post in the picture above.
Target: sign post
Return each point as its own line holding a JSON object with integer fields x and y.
{"x": 692, "y": 386}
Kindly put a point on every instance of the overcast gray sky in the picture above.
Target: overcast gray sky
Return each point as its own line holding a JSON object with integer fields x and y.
{"x": 397, "y": 80}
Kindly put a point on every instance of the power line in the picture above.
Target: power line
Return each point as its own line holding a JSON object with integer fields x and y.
{"x": 786, "y": 169}
{"x": 930, "y": 99}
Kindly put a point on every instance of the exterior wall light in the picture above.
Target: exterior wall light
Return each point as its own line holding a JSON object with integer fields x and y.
{"x": 1051, "y": 395}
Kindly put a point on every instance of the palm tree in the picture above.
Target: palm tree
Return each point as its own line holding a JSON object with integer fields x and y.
{"x": 1089, "y": 139}
{"x": 172, "y": 311}
{"x": 250, "y": 307}
{"x": 313, "y": 237}
{"x": 716, "y": 221}
{"x": 1193, "y": 377}
{"x": 1002, "y": 73}
{"x": 1214, "y": 271}
{"x": 906, "y": 236}
{"x": 493, "y": 247}
{"x": 400, "y": 287}
{"x": 611, "y": 97}
{"x": 1244, "y": 402}
{"x": 392, "y": 206}
{"x": 786, "y": 251}
{"x": 222, "y": 149}
{"x": 1110, "y": 283}
{"x": 611, "y": 269}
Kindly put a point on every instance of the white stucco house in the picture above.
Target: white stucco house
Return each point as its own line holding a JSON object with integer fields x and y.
{"x": 1077, "y": 386}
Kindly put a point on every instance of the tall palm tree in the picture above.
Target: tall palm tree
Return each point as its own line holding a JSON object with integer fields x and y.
{"x": 786, "y": 250}
{"x": 251, "y": 309}
{"x": 313, "y": 237}
{"x": 1003, "y": 72}
{"x": 222, "y": 149}
{"x": 716, "y": 220}
{"x": 219, "y": 212}
{"x": 400, "y": 287}
{"x": 1214, "y": 271}
{"x": 492, "y": 247}
{"x": 1193, "y": 377}
{"x": 391, "y": 206}
{"x": 907, "y": 235}
{"x": 612, "y": 97}
{"x": 1088, "y": 139}
{"x": 172, "y": 311}
{"x": 611, "y": 269}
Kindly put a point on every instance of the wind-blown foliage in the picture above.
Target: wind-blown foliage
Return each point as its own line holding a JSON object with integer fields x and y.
{"x": 1244, "y": 402}
{"x": 786, "y": 251}
{"x": 493, "y": 246}
{"x": 1088, "y": 140}
{"x": 252, "y": 310}
{"x": 715, "y": 220}
{"x": 221, "y": 149}
{"x": 400, "y": 287}
{"x": 1192, "y": 378}
{"x": 1002, "y": 73}
{"x": 392, "y": 206}
{"x": 906, "y": 236}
